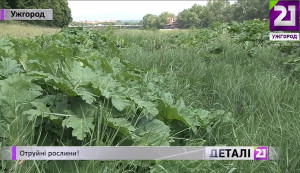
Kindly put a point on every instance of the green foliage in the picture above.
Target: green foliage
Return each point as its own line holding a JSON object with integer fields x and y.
{"x": 293, "y": 63}
{"x": 165, "y": 18}
{"x": 188, "y": 18}
{"x": 71, "y": 79}
{"x": 218, "y": 11}
{"x": 203, "y": 16}
{"x": 77, "y": 88}
{"x": 231, "y": 67}
{"x": 3, "y": 4}
{"x": 249, "y": 10}
{"x": 252, "y": 30}
{"x": 150, "y": 21}
{"x": 81, "y": 126}
{"x": 8, "y": 67}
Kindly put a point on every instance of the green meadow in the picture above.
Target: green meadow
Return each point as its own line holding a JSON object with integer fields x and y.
{"x": 228, "y": 78}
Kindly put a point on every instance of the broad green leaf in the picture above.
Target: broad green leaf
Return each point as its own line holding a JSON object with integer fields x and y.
{"x": 168, "y": 113}
{"x": 167, "y": 98}
{"x": 40, "y": 109}
{"x": 105, "y": 84}
{"x": 126, "y": 76}
{"x": 153, "y": 133}
{"x": 120, "y": 102}
{"x": 78, "y": 75}
{"x": 18, "y": 89}
{"x": 80, "y": 108}
{"x": 16, "y": 93}
{"x": 122, "y": 125}
{"x": 9, "y": 66}
{"x": 106, "y": 66}
{"x": 61, "y": 84}
{"x": 64, "y": 106}
{"x": 6, "y": 44}
{"x": 147, "y": 106}
{"x": 81, "y": 127}
{"x": 86, "y": 95}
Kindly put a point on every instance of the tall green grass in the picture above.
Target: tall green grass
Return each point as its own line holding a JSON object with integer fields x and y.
{"x": 22, "y": 133}
{"x": 253, "y": 85}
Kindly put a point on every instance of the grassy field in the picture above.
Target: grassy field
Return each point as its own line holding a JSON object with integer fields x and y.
{"x": 247, "y": 80}
{"x": 212, "y": 69}
{"x": 19, "y": 30}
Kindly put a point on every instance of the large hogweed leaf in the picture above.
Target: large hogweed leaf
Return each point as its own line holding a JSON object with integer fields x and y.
{"x": 168, "y": 112}
{"x": 6, "y": 44}
{"x": 39, "y": 109}
{"x": 153, "y": 132}
{"x": 81, "y": 117}
{"x": 16, "y": 93}
{"x": 18, "y": 89}
{"x": 122, "y": 125}
{"x": 81, "y": 126}
{"x": 120, "y": 102}
{"x": 9, "y": 66}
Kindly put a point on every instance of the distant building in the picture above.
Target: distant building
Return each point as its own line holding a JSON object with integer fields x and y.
{"x": 92, "y": 22}
{"x": 173, "y": 24}
{"x": 111, "y": 21}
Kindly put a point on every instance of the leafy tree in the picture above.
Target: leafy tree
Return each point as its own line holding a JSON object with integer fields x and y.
{"x": 150, "y": 21}
{"x": 154, "y": 21}
{"x": 203, "y": 16}
{"x": 247, "y": 10}
{"x": 221, "y": 11}
{"x": 164, "y": 18}
{"x": 61, "y": 13}
{"x": 3, "y": 4}
{"x": 11, "y": 3}
{"x": 216, "y": 11}
{"x": 188, "y": 18}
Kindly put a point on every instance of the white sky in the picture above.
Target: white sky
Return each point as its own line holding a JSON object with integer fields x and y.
{"x": 125, "y": 10}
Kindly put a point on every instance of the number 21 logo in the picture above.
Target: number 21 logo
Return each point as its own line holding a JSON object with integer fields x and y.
{"x": 284, "y": 15}
{"x": 260, "y": 153}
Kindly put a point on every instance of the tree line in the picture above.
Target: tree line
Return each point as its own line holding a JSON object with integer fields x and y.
{"x": 216, "y": 11}
{"x": 61, "y": 10}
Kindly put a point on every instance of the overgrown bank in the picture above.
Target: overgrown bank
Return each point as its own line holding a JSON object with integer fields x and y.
{"x": 224, "y": 85}
{"x": 74, "y": 88}
{"x": 232, "y": 67}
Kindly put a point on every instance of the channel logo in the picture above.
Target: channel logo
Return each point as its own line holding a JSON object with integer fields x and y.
{"x": 236, "y": 153}
{"x": 284, "y": 15}
{"x": 260, "y": 153}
